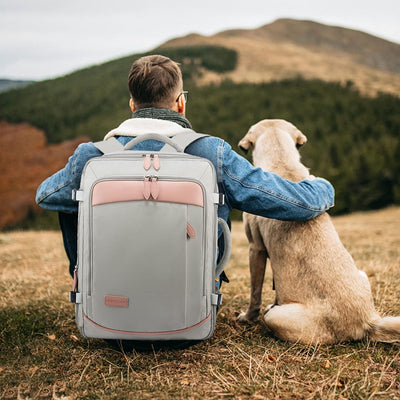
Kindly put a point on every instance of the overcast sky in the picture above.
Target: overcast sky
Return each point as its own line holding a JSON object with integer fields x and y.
{"x": 42, "y": 39}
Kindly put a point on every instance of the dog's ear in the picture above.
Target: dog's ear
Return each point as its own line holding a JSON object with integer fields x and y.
{"x": 248, "y": 141}
{"x": 300, "y": 140}
{"x": 245, "y": 145}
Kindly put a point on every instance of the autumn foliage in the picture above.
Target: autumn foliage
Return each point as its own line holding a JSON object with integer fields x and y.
{"x": 25, "y": 161}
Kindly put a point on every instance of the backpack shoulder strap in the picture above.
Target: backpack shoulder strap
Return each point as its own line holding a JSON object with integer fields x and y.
{"x": 183, "y": 140}
{"x": 110, "y": 145}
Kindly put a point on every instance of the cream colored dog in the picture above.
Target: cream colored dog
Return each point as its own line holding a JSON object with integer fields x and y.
{"x": 321, "y": 297}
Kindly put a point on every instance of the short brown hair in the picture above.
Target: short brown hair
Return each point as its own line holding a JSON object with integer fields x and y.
{"x": 154, "y": 81}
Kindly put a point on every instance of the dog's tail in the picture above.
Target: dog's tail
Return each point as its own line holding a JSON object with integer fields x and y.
{"x": 386, "y": 329}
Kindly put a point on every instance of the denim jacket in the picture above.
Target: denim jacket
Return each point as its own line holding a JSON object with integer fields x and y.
{"x": 246, "y": 188}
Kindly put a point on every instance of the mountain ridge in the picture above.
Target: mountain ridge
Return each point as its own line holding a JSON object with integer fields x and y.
{"x": 287, "y": 48}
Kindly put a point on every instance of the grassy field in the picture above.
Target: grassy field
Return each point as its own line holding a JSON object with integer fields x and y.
{"x": 42, "y": 354}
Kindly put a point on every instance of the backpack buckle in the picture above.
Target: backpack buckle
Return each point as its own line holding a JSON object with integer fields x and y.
{"x": 219, "y": 198}
{"x": 216, "y": 299}
{"x": 75, "y": 297}
{"x": 77, "y": 195}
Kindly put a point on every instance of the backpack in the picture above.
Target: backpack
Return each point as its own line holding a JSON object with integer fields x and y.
{"x": 147, "y": 243}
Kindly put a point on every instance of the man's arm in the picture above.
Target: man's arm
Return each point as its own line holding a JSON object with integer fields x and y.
{"x": 55, "y": 193}
{"x": 266, "y": 194}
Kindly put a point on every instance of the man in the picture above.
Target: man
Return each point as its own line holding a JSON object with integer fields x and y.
{"x": 158, "y": 105}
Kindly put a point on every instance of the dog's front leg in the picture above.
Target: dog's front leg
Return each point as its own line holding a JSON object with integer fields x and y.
{"x": 258, "y": 261}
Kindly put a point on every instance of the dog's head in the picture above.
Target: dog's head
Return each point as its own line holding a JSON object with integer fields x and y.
{"x": 275, "y": 144}
{"x": 269, "y": 125}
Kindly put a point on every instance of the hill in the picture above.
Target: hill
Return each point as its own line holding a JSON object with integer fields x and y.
{"x": 93, "y": 100}
{"x": 288, "y": 48}
{"x": 261, "y": 73}
{"x": 25, "y": 160}
{"x": 7, "y": 84}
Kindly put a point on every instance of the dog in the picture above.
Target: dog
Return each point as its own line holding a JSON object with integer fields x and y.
{"x": 321, "y": 296}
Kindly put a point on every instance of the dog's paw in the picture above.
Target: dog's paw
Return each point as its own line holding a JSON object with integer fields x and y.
{"x": 269, "y": 306}
{"x": 243, "y": 317}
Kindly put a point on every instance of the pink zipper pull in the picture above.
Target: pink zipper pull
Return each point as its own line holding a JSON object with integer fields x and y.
{"x": 191, "y": 233}
{"x": 147, "y": 162}
{"x": 146, "y": 188}
{"x": 155, "y": 189}
{"x": 156, "y": 162}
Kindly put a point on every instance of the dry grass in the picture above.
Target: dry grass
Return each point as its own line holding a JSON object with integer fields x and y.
{"x": 43, "y": 356}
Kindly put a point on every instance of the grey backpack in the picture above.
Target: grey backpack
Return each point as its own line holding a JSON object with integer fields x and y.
{"x": 147, "y": 243}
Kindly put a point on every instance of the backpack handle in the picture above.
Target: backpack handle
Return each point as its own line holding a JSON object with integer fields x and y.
{"x": 153, "y": 136}
{"x": 227, "y": 247}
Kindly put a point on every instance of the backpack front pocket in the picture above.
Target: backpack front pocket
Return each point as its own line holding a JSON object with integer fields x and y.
{"x": 146, "y": 261}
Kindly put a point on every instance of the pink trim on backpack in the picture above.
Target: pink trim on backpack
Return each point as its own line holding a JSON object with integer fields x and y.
{"x": 166, "y": 191}
{"x": 147, "y": 333}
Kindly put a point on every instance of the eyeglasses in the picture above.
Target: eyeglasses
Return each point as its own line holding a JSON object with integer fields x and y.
{"x": 185, "y": 94}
